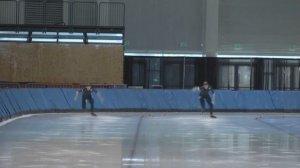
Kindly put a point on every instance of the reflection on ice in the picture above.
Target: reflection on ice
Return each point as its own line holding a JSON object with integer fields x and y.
{"x": 171, "y": 140}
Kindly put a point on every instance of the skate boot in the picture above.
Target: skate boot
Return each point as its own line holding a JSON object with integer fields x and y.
{"x": 212, "y": 116}
{"x": 93, "y": 114}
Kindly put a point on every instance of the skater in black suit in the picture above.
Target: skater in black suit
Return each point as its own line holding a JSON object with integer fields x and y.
{"x": 87, "y": 95}
{"x": 204, "y": 94}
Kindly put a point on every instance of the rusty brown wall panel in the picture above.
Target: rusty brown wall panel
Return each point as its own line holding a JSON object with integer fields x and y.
{"x": 61, "y": 63}
{"x": 5, "y": 63}
{"x": 24, "y": 62}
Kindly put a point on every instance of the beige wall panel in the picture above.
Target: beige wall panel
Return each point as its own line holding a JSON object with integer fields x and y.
{"x": 51, "y": 63}
{"x": 24, "y": 62}
{"x": 61, "y": 63}
{"x": 5, "y": 65}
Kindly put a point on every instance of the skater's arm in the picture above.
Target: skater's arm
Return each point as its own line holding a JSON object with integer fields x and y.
{"x": 94, "y": 90}
{"x": 76, "y": 95}
{"x": 212, "y": 90}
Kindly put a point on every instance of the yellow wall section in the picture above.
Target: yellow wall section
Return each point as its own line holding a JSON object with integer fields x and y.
{"x": 61, "y": 63}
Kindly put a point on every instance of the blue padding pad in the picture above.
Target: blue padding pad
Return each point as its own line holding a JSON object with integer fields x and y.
{"x": 39, "y": 99}
{"x": 154, "y": 100}
{"x": 9, "y": 102}
{"x": 18, "y": 101}
{"x": 56, "y": 99}
{"x": 4, "y": 112}
{"x": 113, "y": 99}
{"x": 69, "y": 94}
{"x": 254, "y": 100}
{"x": 183, "y": 100}
{"x": 286, "y": 100}
{"x": 226, "y": 99}
{"x": 105, "y": 99}
{"x": 24, "y": 99}
{"x": 121, "y": 99}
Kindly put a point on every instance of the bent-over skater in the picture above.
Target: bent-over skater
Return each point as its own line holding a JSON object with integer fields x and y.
{"x": 87, "y": 95}
{"x": 204, "y": 94}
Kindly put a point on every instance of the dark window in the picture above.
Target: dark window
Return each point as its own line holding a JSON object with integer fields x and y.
{"x": 138, "y": 74}
{"x": 172, "y": 75}
{"x": 235, "y": 74}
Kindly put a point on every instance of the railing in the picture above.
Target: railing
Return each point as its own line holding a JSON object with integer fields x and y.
{"x": 47, "y": 13}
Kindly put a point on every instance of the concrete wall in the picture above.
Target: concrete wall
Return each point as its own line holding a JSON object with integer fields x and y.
{"x": 165, "y": 25}
{"x": 61, "y": 63}
{"x": 259, "y": 26}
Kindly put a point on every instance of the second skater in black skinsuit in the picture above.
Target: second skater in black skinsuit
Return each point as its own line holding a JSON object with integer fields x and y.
{"x": 205, "y": 96}
{"x": 87, "y": 95}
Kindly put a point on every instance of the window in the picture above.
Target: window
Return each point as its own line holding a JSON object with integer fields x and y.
{"x": 226, "y": 77}
{"x": 154, "y": 71}
{"x": 172, "y": 75}
{"x": 138, "y": 74}
{"x": 235, "y": 74}
{"x": 189, "y": 78}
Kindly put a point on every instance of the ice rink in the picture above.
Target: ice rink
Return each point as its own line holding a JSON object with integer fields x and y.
{"x": 152, "y": 140}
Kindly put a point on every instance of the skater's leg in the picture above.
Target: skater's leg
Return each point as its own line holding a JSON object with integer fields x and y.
{"x": 202, "y": 103}
{"x": 83, "y": 103}
{"x": 211, "y": 106}
{"x": 92, "y": 104}
{"x": 91, "y": 100}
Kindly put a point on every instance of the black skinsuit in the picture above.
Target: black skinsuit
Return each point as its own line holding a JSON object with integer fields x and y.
{"x": 87, "y": 95}
{"x": 204, "y": 95}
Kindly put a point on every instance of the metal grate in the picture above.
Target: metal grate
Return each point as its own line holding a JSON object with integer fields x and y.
{"x": 111, "y": 14}
{"x": 84, "y": 13}
{"x": 8, "y": 12}
{"x": 43, "y": 12}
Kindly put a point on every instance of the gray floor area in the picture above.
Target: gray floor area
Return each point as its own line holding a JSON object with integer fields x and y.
{"x": 166, "y": 140}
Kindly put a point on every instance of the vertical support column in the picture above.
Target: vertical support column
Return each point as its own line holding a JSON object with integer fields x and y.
{"x": 212, "y": 28}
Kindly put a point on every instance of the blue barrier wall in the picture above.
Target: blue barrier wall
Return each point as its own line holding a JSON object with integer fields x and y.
{"x": 19, "y": 101}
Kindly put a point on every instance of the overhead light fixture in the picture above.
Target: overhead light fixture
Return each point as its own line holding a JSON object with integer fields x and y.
{"x": 105, "y": 41}
{"x": 105, "y": 34}
{"x": 46, "y": 40}
{"x": 44, "y": 33}
{"x": 156, "y": 54}
{"x": 13, "y": 33}
{"x": 70, "y": 34}
{"x": 70, "y": 40}
{"x": 259, "y": 56}
{"x": 13, "y": 39}
{"x": 44, "y": 37}
{"x": 13, "y": 36}
{"x": 67, "y": 37}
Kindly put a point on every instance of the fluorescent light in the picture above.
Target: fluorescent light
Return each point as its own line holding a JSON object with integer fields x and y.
{"x": 43, "y": 40}
{"x": 134, "y": 159}
{"x": 105, "y": 41}
{"x": 154, "y": 54}
{"x": 70, "y": 40}
{"x": 14, "y": 32}
{"x": 70, "y": 34}
{"x": 259, "y": 56}
{"x": 143, "y": 54}
{"x": 44, "y": 33}
{"x": 182, "y": 55}
{"x": 105, "y": 34}
{"x": 13, "y": 39}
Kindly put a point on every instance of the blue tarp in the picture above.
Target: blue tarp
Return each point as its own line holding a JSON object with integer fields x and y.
{"x": 18, "y": 101}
